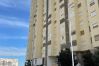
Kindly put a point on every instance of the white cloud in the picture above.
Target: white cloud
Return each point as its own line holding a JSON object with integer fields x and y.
{"x": 5, "y": 3}
{"x": 12, "y": 51}
{"x": 8, "y": 17}
{"x": 15, "y": 3}
{"x": 13, "y": 22}
{"x": 13, "y": 37}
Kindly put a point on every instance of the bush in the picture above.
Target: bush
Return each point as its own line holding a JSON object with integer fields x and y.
{"x": 65, "y": 58}
{"x": 96, "y": 58}
{"x": 28, "y": 63}
{"x": 87, "y": 59}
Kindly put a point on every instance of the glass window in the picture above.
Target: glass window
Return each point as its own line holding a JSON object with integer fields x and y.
{"x": 95, "y": 25}
{"x": 89, "y": 29}
{"x": 73, "y": 33}
{"x": 55, "y": 3}
{"x": 91, "y": 39}
{"x": 55, "y": 21}
{"x": 82, "y": 32}
{"x": 96, "y": 37}
{"x": 62, "y": 37}
{"x": 60, "y": 0}
{"x": 74, "y": 42}
{"x": 79, "y": 5}
{"x": 98, "y": 3}
{"x": 93, "y": 13}
{"x": 71, "y": 5}
{"x": 92, "y": 3}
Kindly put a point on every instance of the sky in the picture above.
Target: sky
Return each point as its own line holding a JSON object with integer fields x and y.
{"x": 14, "y": 28}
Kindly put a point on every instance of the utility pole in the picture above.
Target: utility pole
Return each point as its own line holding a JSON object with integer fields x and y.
{"x": 71, "y": 47}
{"x": 68, "y": 26}
{"x": 71, "y": 44}
{"x": 46, "y": 46}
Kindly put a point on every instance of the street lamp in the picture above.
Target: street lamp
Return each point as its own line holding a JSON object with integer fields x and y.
{"x": 46, "y": 46}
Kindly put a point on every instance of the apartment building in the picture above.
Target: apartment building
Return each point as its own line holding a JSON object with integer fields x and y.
{"x": 8, "y": 62}
{"x": 83, "y": 17}
{"x": 79, "y": 16}
{"x": 93, "y": 16}
{"x": 58, "y": 31}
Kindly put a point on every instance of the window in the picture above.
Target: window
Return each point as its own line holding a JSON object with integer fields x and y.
{"x": 95, "y": 25}
{"x": 82, "y": 32}
{"x": 96, "y": 37}
{"x": 62, "y": 20}
{"x": 79, "y": 5}
{"x": 35, "y": 15}
{"x": 61, "y": 6}
{"x": 93, "y": 13}
{"x": 71, "y": 5}
{"x": 34, "y": 25}
{"x": 49, "y": 16}
{"x": 55, "y": 3}
{"x": 54, "y": 21}
{"x": 98, "y": 2}
{"x": 49, "y": 42}
{"x": 92, "y": 2}
{"x": 62, "y": 37}
{"x": 73, "y": 32}
{"x": 60, "y": 0}
{"x": 74, "y": 42}
{"x": 55, "y": 9}
{"x": 91, "y": 39}
{"x": 89, "y": 29}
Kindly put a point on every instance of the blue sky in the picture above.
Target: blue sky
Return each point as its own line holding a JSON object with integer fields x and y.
{"x": 14, "y": 27}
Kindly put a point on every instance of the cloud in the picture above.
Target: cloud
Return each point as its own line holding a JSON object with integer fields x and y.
{"x": 5, "y": 3}
{"x": 15, "y": 3}
{"x": 13, "y": 22}
{"x": 12, "y": 51}
{"x": 13, "y": 37}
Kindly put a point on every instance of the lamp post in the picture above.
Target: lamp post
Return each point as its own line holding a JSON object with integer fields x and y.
{"x": 71, "y": 44}
{"x": 46, "y": 46}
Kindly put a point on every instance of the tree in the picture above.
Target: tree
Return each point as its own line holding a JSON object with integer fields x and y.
{"x": 96, "y": 58}
{"x": 87, "y": 59}
{"x": 65, "y": 58}
{"x": 28, "y": 63}
{"x": 75, "y": 62}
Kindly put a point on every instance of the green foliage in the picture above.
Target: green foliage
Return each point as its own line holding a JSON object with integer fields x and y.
{"x": 87, "y": 59}
{"x": 28, "y": 63}
{"x": 96, "y": 58}
{"x": 65, "y": 58}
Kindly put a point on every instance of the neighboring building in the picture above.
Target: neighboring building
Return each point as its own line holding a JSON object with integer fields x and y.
{"x": 81, "y": 32}
{"x": 8, "y": 62}
{"x": 84, "y": 19}
{"x": 93, "y": 17}
{"x": 83, "y": 15}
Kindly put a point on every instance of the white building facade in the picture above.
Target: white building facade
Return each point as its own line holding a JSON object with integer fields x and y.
{"x": 8, "y": 62}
